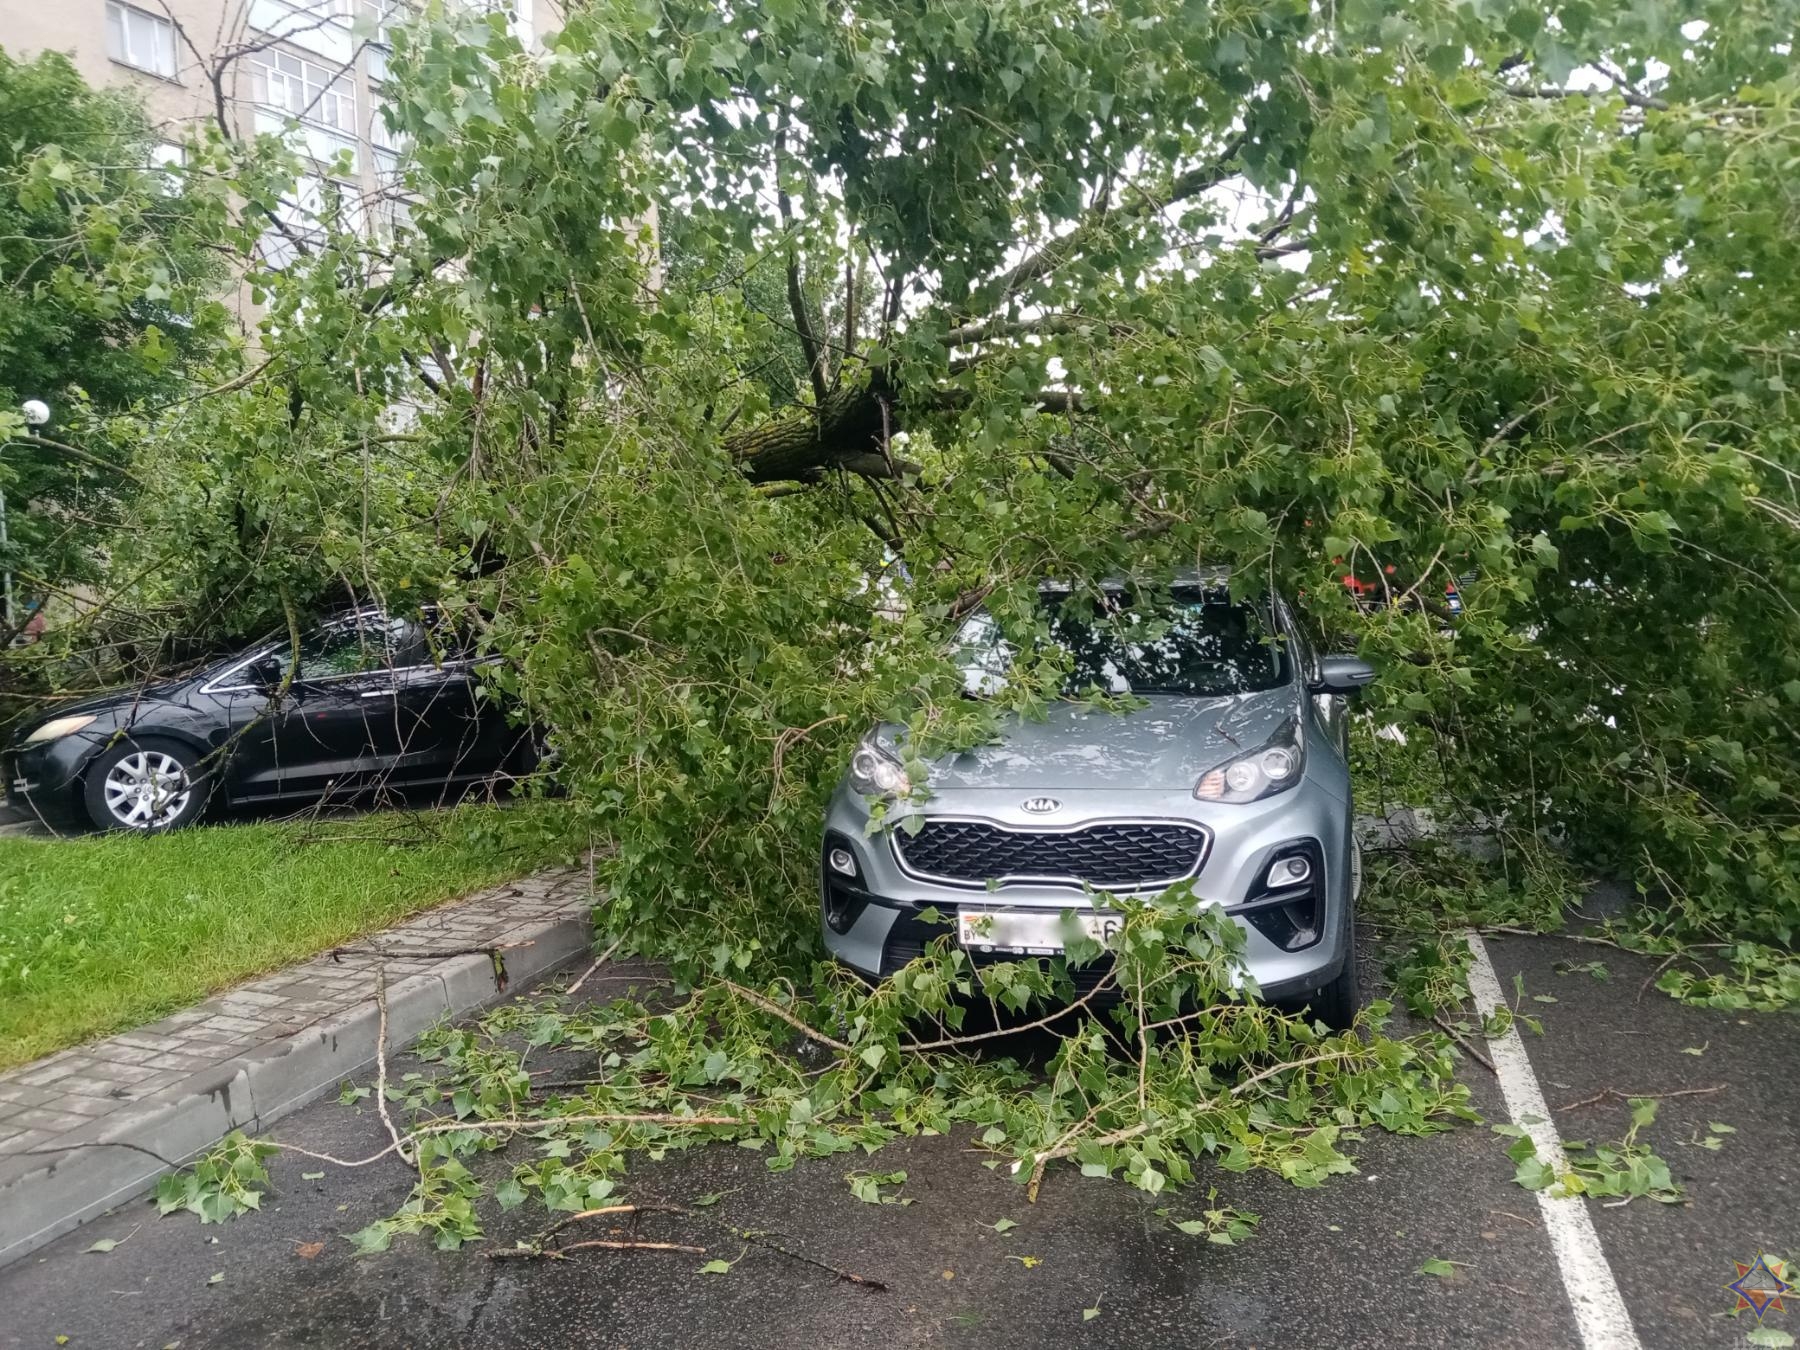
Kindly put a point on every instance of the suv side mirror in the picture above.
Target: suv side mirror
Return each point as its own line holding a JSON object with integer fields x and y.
{"x": 1343, "y": 675}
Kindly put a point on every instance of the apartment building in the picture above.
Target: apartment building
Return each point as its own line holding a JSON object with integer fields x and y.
{"x": 315, "y": 69}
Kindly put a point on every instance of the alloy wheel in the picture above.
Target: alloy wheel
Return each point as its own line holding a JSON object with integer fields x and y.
{"x": 147, "y": 789}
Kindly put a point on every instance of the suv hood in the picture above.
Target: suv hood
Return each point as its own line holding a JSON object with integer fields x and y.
{"x": 1164, "y": 746}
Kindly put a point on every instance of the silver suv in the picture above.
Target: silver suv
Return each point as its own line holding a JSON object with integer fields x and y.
{"x": 1232, "y": 773}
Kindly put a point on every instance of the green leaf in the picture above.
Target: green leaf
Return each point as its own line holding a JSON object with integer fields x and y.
{"x": 716, "y": 1268}
{"x": 375, "y": 1238}
{"x": 510, "y": 1194}
{"x": 104, "y": 1245}
{"x": 1534, "y": 1174}
{"x": 1436, "y": 1265}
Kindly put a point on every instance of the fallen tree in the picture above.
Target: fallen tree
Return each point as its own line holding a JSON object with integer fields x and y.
{"x": 1436, "y": 296}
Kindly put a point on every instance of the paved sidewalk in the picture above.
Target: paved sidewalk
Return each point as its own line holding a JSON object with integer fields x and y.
{"x": 86, "y": 1127}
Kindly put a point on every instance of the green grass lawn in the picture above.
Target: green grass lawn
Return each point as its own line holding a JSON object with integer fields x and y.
{"x": 105, "y": 933}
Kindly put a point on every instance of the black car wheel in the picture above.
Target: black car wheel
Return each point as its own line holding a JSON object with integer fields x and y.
{"x": 145, "y": 784}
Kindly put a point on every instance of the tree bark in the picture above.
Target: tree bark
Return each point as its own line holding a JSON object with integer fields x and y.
{"x": 844, "y": 430}
{"x": 848, "y": 431}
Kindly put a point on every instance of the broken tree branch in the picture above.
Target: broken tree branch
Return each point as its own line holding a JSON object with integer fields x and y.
{"x": 1605, "y": 1093}
{"x": 1061, "y": 249}
{"x": 381, "y": 1066}
{"x": 774, "y": 1009}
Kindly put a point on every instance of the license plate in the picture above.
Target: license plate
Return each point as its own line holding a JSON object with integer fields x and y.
{"x": 1029, "y": 932}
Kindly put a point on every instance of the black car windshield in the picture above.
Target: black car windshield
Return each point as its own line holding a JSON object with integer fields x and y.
{"x": 1186, "y": 641}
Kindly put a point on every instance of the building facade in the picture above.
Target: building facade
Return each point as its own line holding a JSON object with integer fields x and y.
{"x": 312, "y": 69}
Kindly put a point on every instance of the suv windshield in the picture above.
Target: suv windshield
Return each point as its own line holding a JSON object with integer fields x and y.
{"x": 1186, "y": 641}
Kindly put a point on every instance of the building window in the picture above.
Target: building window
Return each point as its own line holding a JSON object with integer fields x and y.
{"x": 303, "y": 215}
{"x": 378, "y": 19}
{"x": 303, "y": 89}
{"x": 167, "y": 160}
{"x": 380, "y": 134}
{"x": 321, "y": 27}
{"x": 139, "y": 39}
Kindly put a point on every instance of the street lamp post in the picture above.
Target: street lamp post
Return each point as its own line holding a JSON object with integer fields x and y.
{"x": 36, "y": 412}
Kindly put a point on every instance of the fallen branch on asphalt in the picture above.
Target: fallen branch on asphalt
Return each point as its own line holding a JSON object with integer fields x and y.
{"x": 1605, "y": 1093}
{"x": 774, "y": 1009}
{"x": 599, "y": 961}
{"x": 539, "y": 1247}
{"x": 513, "y": 1124}
{"x": 1468, "y": 1047}
{"x": 1064, "y": 1149}
{"x": 381, "y": 1036}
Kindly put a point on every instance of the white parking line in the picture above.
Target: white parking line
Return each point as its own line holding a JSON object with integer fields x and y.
{"x": 1593, "y": 1293}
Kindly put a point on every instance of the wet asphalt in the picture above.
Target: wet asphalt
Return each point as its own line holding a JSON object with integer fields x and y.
{"x": 1334, "y": 1267}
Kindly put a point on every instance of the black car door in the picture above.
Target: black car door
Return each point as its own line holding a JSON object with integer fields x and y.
{"x": 449, "y": 728}
{"x": 338, "y": 727}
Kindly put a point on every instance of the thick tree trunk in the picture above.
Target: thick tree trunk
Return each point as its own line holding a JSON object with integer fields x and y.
{"x": 799, "y": 445}
{"x": 848, "y": 431}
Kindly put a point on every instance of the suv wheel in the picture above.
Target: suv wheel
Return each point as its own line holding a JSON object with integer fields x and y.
{"x": 147, "y": 785}
{"x": 1337, "y": 1003}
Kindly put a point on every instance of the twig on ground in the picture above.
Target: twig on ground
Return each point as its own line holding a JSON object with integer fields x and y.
{"x": 514, "y": 1124}
{"x": 1604, "y": 1093}
{"x": 1063, "y": 1149}
{"x": 773, "y": 1008}
{"x": 1468, "y": 1047}
{"x": 381, "y": 1066}
{"x": 1056, "y": 1149}
{"x": 555, "y": 1083}
{"x": 750, "y": 1235}
{"x": 1507, "y": 1213}
{"x": 588, "y": 1244}
{"x": 599, "y": 961}
{"x": 1274, "y": 1069}
{"x": 1510, "y": 930}
{"x": 1649, "y": 979}
{"x": 538, "y": 1249}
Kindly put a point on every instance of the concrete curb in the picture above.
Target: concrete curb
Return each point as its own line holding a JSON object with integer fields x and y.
{"x": 44, "y": 1195}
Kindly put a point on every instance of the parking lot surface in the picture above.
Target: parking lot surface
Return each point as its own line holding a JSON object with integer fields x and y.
{"x": 1337, "y": 1266}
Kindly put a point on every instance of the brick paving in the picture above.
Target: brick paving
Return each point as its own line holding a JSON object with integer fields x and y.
{"x": 76, "y": 1089}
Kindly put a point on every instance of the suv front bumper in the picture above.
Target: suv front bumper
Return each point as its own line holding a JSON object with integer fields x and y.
{"x": 872, "y": 921}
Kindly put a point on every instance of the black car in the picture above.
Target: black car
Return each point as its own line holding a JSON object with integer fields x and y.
{"x": 377, "y": 701}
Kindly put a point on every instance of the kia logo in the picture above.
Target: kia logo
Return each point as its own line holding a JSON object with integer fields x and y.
{"x": 1040, "y": 806}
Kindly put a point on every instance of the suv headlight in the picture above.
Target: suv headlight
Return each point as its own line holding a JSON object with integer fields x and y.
{"x": 1274, "y": 766}
{"x": 876, "y": 773}
{"x": 57, "y": 728}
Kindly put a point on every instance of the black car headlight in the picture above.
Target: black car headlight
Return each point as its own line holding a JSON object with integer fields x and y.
{"x": 57, "y": 728}
{"x": 876, "y": 773}
{"x": 1274, "y": 766}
